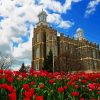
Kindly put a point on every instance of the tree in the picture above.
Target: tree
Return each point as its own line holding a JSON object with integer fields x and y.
{"x": 23, "y": 68}
{"x": 48, "y": 62}
{"x": 6, "y": 61}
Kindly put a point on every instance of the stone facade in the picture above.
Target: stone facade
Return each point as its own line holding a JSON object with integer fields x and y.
{"x": 46, "y": 39}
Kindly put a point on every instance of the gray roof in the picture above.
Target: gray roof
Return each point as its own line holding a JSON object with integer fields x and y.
{"x": 42, "y": 13}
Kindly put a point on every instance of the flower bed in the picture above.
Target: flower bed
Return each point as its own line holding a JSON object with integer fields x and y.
{"x": 42, "y": 85}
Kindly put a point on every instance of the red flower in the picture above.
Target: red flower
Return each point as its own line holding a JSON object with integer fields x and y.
{"x": 39, "y": 98}
{"x": 10, "y": 89}
{"x": 25, "y": 86}
{"x": 41, "y": 86}
{"x": 32, "y": 91}
{"x": 98, "y": 88}
{"x": 76, "y": 86}
{"x": 32, "y": 83}
{"x": 81, "y": 98}
{"x": 65, "y": 87}
{"x": 75, "y": 94}
{"x": 27, "y": 94}
{"x": 26, "y": 99}
{"x": 4, "y": 86}
{"x": 12, "y": 96}
{"x": 51, "y": 81}
{"x": 10, "y": 79}
{"x": 91, "y": 86}
{"x": 84, "y": 81}
{"x": 60, "y": 89}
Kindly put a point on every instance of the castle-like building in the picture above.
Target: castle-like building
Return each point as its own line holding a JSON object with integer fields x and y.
{"x": 45, "y": 39}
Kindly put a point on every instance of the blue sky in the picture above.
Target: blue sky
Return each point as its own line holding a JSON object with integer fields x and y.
{"x": 90, "y": 24}
{"x": 18, "y": 18}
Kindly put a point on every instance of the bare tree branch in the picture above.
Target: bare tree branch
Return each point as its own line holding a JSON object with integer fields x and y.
{"x": 6, "y": 61}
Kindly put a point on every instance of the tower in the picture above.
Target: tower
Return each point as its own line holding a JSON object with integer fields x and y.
{"x": 80, "y": 34}
{"x": 44, "y": 40}
{"x": 42, "y": 18}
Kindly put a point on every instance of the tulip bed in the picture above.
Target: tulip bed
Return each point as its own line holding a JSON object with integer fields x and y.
{"x": 41, "y": 85}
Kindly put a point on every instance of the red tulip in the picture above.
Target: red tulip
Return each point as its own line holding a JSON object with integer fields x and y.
{"x": 26, "y": 99}
{"x": 75, "y": 94}
{"x": 10, "y": 79}
{"x": 82, "y": 99}
{"x": 12, "y": 96}
{"x": 39, "y": 98}
{"x": 91, "y": 86}
{"x": 25, "y": 86}
{"x": 76, "y": 86}
{"x": 51, "y": 81}
{"x": 60, "y": 89}
{"x": 65, "y": 87}
{"x": 27, "y": 94}
{"x": 32, "y": 83}
{"x": 41, "y": 86}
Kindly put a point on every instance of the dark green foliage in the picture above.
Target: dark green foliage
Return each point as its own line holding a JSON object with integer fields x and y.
{"x": 22, "y": 69}
{"x": 48, "y": 62}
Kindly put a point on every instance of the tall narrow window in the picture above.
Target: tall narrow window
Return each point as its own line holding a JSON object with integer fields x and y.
{"x": 71, "y": 50}
{"x": 66, "y": 47}
{"x": 48, "y": 49}
{"x": 37, "y": 66}
{"x": 37, "y": 38}
{"x": 95, "y": 64}
{"x": 94, "y": 54}
{"x": 37, "y": 53}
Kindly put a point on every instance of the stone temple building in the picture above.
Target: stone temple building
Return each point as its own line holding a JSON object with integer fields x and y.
{"x": 46, "y": 39}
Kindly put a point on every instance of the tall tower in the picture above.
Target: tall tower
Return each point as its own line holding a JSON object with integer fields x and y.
{"x": 44, "y": 40}
{"x": 80, "y": 34}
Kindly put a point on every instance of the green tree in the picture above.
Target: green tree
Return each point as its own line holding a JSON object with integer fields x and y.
{"x": 23, "y": 68}
{"x": 48, "y": 62}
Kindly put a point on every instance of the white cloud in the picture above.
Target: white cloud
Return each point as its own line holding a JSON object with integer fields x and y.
{"x": 16, "y": 13}
{"x": 54, "y": 18}
{"x": 59, "y": 21}
{"x": 13, "y": 27}
{"x": 66, "y": 24}
{"x": 23, "y": 52}
{"x": 56, "y": 6}
{"x": 91, "y": 7}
